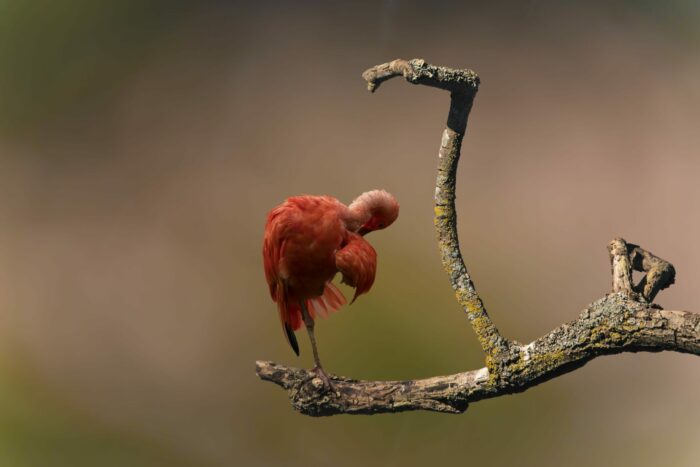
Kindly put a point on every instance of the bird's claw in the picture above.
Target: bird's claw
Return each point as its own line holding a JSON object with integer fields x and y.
{"x": 323, "y": 376}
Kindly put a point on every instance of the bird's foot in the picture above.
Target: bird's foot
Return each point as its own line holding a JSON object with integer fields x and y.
{"x": 323, "y": 376}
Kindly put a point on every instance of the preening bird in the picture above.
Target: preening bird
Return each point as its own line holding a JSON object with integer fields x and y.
{"x": 308, "y": 240}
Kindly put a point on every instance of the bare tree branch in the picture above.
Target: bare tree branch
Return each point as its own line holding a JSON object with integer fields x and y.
{"x": 613, "y": 324}
{"x": 463, "y": 85}
{"x": 623, "y": 321}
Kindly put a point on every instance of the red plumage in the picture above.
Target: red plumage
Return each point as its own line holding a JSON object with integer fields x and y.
{"x": 308, "y": 240}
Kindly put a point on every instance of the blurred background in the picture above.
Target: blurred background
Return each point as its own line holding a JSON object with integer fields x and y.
{"x": 142, "y": 144}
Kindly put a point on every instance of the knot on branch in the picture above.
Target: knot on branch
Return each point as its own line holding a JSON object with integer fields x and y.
{"x": 625, "y": 257}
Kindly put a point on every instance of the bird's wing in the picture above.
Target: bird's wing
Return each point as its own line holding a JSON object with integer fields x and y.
{"x": 276, "y": 233}
{"x": 331, "y": 301}
{"x": 357, "y": 261}
{"x": 273, "y": 250}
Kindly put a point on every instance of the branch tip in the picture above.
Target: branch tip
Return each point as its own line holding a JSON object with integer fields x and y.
{"x": 417, "y": 71}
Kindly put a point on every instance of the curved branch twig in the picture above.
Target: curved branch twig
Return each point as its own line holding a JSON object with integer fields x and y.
{"x": 463, "y": 86}
{"x": 623, "y": 321}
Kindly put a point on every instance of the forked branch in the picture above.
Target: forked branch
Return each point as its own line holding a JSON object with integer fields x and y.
{"x": 624, "y": 321}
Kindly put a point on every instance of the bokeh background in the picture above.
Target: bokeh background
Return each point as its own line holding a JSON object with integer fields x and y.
{"x": 142, "y": 144}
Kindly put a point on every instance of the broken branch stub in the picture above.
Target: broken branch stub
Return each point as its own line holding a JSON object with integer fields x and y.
{"x": 626, "y": 257}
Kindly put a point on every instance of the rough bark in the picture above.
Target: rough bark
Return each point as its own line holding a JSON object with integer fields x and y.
{"x": 623, "y": 321}
{"x": 613, "y": 324}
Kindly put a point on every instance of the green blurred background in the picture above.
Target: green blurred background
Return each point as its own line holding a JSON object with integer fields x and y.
{"x": 142, "y": 144}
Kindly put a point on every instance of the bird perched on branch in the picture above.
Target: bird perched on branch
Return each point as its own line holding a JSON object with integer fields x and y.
{"x": 308, "y": 239}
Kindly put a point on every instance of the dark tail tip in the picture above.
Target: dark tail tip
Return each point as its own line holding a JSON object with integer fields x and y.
{"x": 292, "y": 339}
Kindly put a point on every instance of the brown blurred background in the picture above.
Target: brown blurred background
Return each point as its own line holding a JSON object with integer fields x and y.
{"x": 142, "y": 144}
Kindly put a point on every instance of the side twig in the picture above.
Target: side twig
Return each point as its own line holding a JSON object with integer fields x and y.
{"x": 463, "y": 86}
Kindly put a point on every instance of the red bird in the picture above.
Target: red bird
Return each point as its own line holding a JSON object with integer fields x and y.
{"x": 308, "y": 239}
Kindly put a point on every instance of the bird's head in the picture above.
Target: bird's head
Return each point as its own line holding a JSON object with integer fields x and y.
{"x": 377, "y": 210}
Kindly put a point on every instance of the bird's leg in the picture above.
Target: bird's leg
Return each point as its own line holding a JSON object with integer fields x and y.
{"x": 318, "y": 369}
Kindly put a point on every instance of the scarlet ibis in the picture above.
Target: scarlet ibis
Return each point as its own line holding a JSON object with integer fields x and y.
{"x": 308, "y": 239}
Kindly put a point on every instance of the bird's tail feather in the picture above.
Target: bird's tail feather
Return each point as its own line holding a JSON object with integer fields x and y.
{"x": 291, "y": 338}
{"x": 289, "y": 317}
{"x": 290, "y": 310}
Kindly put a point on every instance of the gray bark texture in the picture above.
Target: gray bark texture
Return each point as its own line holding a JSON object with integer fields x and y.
{"x": 625, "y": 320}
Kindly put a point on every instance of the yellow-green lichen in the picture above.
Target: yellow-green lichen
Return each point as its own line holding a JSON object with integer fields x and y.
{"x": 472, "y": 306}
{"x": 541, "y": 362}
